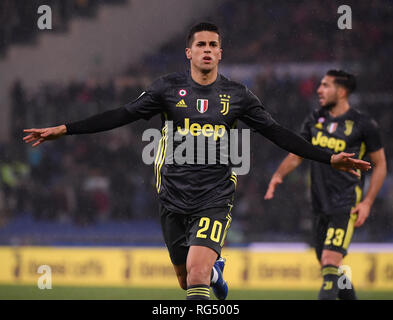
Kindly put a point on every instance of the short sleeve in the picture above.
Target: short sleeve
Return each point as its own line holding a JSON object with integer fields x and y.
{"x": 149, "y": 103}
{"x": 371, "y": 135}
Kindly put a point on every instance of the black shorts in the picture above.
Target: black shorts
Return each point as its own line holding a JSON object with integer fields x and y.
{"x": 333, "y": 231}
{"x": 206, "y": 228}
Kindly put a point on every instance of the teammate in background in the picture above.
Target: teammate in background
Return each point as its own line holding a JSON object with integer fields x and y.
{"x": 195, "y": 200}
{"x": 337, "y": 200}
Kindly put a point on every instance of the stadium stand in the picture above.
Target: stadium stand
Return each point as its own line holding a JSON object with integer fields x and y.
{"x": 19, "y": 17}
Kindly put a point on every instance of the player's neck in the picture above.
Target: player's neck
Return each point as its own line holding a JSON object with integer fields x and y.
{"x": 339, "y": 109}
{"x": 203, "y": 78}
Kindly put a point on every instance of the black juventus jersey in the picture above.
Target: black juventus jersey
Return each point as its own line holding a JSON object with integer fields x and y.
{"x": 195, "y": 111}
{"x": 352, "y": 132}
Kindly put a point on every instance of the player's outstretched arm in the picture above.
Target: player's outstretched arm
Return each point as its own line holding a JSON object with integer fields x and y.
{"x": 290, "y": 163}
{"x": 38, "y": 136}
{"x": 101, "y": 122}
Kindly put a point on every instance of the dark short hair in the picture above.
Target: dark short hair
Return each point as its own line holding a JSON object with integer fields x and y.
{"x": 202, "y": 26}
{"x": 344, "y": 79}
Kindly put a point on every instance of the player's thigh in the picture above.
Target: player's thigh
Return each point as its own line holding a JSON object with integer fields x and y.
{"x": 340, "y": 230}
{"x": 174, "y": 229}
{"x": 209, "y": 228}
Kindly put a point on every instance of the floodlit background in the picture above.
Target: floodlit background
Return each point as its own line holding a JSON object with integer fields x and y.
{"x": 94, "y": 191}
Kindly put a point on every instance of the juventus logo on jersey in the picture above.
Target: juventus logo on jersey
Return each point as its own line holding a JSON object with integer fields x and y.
{"x": 348, "y": 127}
{"x": 224, "y": 100}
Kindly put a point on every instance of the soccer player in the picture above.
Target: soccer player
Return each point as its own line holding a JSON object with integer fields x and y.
{"x": 195, "y": 200}
{"x": 337, "y": 197}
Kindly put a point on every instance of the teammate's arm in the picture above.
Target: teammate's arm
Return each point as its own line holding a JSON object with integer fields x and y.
{"x": 290, "y": 163}
{"x": 378, "y": 175}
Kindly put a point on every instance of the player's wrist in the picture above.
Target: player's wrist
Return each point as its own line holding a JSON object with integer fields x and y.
{"x": 63, "y": 129}
{"x": 367, "y": 202}
{"x": 278, "y": 175}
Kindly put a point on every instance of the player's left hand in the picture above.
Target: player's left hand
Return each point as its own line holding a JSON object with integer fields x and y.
{"x": 362, "y": 209}
{"x": 344, "y": 162}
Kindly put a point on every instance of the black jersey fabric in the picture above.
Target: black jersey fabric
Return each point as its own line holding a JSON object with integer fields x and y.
{"x": 352, "y": 132}
{"x": 198, "y": 110}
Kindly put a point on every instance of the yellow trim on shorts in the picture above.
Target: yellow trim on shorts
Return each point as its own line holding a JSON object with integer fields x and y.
{"x": 352, "y": 219}
{"x": 228, "y": 224}
{"x": 350, "y": 229}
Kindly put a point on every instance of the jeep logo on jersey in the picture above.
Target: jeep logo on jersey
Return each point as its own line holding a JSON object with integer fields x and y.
{"x": 337, "y": 145}
{"x": 207, "y": 130}
{"x": 202, "y": 105}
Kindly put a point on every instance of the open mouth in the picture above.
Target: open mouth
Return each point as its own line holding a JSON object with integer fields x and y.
{"x": 207, "y": 59}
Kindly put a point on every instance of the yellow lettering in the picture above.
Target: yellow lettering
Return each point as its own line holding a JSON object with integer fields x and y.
{"x": 340, "y": 146}
{"x": 337, "y": 145}
{"x": 328, "y": 285}
{"x": 219, "y": 131}
{"x": 323, "y": 142}
{"x": 331, "y": 143}
{"x": 186, "y": 127}
{"x": 315, "y": 141}
{"x": 207, "y": 130}
{"x": 195, "y": 129}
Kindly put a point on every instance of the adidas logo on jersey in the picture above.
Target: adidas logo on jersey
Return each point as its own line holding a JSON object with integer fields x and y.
{"x": 181, "y": 104}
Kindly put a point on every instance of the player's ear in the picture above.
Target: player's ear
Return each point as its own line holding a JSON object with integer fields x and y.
{"x": 342, "y": 92}
{"x": 220, "y": 57}
{"x": 188, "y": 53}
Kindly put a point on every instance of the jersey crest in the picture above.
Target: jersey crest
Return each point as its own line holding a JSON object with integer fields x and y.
{"x": 332, "y": 127}
{"x": 202, "y": 105}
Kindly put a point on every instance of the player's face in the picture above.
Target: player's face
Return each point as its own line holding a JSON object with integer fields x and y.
{"x": 205, "y": 51}
{"x": 327, "y": 92}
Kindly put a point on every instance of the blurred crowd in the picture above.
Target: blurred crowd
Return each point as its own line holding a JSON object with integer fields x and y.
{"x": 272, "y": 31}
{"x": 89, "y": 178}
{"x": 19, "y": 18}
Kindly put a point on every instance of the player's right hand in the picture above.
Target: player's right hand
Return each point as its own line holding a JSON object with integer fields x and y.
{"x": 343, "y": 161}
{"x": 276, "y": 180}
{"x": 39, "y": 136}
